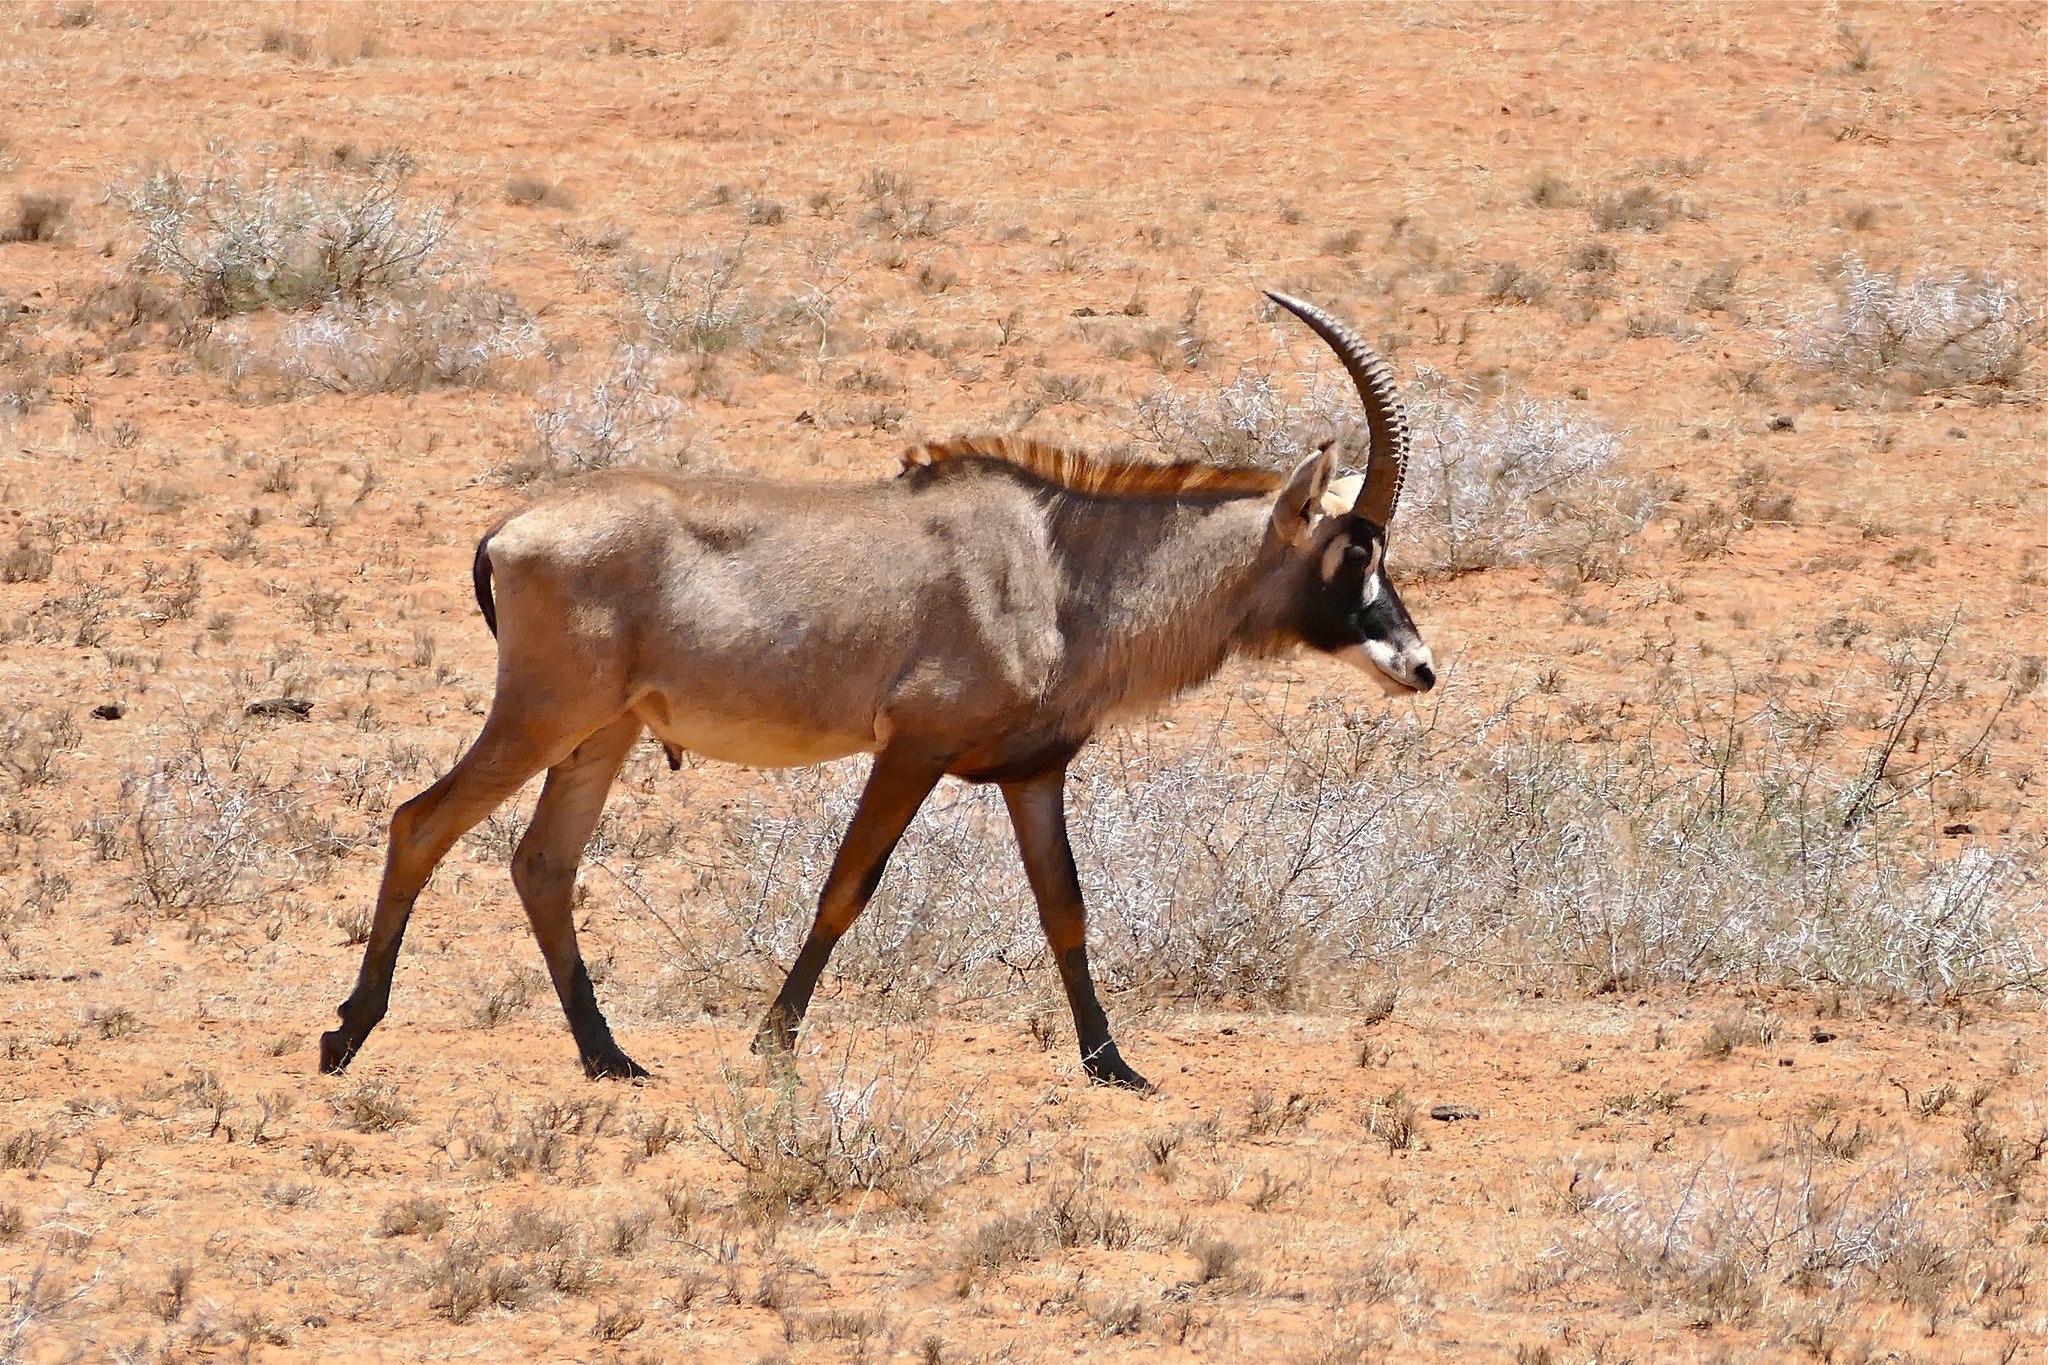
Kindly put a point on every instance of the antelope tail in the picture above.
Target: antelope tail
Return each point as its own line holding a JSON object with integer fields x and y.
{"x": 480, "y": 574}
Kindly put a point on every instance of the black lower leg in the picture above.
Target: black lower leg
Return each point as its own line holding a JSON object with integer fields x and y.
{"x": 1099, "y": 1056}
{"x": 363, "y": 1009}
{"x": 778, "y": 1029}
{"x": 601, "y": 1053}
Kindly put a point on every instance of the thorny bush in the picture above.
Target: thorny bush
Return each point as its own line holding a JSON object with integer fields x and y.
{"x": 1939, "y": 329}
{"x": 1382, "y": 839}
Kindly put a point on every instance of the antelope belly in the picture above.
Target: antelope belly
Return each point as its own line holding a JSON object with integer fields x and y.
{"x": 753, "y": 741}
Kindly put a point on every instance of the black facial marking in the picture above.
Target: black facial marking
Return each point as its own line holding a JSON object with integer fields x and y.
{"x": 1336, "y": 615}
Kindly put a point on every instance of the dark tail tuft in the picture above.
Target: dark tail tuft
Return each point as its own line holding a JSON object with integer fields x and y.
{"x": 480, "y": 574}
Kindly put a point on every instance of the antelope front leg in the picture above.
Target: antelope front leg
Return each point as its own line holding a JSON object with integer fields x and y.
{"x": 1038, "y": 810}
{"x": 897, "y": 786}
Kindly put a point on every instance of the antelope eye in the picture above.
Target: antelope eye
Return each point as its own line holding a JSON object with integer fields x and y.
{"x": 1358, "y": 554}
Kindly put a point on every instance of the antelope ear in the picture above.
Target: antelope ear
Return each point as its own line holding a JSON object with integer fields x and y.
{"x": 1299, "y": 505}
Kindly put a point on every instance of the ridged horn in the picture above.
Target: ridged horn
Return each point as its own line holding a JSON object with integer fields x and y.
{"x": 1385, "y": 421}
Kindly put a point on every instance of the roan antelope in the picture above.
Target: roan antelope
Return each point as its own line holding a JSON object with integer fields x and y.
{"x": 981, "y": 615}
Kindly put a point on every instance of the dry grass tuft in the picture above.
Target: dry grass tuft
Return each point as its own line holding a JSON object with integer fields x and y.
{"x": 37, "y": 218}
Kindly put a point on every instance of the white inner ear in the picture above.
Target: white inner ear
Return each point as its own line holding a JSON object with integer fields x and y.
{"x": 1342, "y": 494}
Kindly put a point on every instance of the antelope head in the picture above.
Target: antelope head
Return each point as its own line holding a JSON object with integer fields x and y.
{"x": 1339, "y": 525}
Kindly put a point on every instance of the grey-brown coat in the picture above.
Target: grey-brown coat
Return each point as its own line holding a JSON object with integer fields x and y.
{"x": 981, "y": 615}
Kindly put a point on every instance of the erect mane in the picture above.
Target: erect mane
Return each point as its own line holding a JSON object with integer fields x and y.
{"x": 1079, "y": 473}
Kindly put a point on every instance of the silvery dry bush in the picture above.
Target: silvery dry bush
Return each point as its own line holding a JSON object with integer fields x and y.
{"x": 1490, "y": 482}
{"x": 620, "y": 417}
{"x": 1939, "y": 329}
{"x": 1374, "y": 840}
{"x": 693, "y": 301}
{"x": 1510, "y": 480}
{"x": 1715, "y": 1238}
{"x": 453, "y": 333}
{"x": 844, "y": 1129}
{"x": 1251, "y": 420}
{"x": 208, "y": 836}
{"x": 953, "y": 906}
{"x": 284, "y": 239}
{"x": 1505, "y": 851}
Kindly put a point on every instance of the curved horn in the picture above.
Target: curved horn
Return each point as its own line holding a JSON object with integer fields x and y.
{"x": 1385, "y": 422}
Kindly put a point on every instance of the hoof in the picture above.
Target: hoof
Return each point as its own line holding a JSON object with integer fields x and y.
{"x": 337, "y": 1050}
{"x": 773, "y": 1040}
{"x": 1105, "y": 1067}
{"x": 614, "y": 1066}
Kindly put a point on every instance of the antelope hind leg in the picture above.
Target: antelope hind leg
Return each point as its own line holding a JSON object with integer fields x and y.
{"x": 544, "y": 871}
{"x": 1038, "y": 810}
{"x": 422, "y": 832}
{"x": 897, "y": 786}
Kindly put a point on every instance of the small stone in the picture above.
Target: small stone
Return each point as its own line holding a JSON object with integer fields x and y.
{"x": 1821, "y": 1035}
{"x": 295, "y": 707}
{"x": 1781, "y": 423}
{"x": 111, "y": 710}
{"x": 1451, "y": 1113}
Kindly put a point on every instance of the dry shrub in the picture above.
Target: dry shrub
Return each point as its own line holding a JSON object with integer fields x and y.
{"x": 454, "y": 333}
{"x": 32, "y": 739}
{"x": 1376, "y": 841}
{"x": 208, "y": 835}
{"x": 415, "y": 1217}
{"x": 1391, "y": 1119}
{"x": 1641, "y": 208}
{"x": 1490, "y": 482}
{"x": 1938, "y": 329}
{"x": 467, "y": 1280}
{"x": 37, "y": 218}
{"x": 695, "y": 301}
{"x": 25, "y": 371}
{"x": 1254, "y": 419}
{"x": 896, "y": 211}
{"x": 1551, "y": 191}
{"x": 504, "y": 998}
{"x": 621, "y": 417}
{"x": 1511, "y": 283}
{"x": 1713, "y": 1240}
{"x": 540, "y": 1139}
{"x": 286, "y": 42}
{"x": 809, "y": 1142}
{"x": 1741, "y": 1028}
{"x": 373, "y": 1107}
{"x": 27, "y": 1149}
{"x": 526, "y": 192}
{"x": 1514, "y": 479}
{"x": 285, "y": 239}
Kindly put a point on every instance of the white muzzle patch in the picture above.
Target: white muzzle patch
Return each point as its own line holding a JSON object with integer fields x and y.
{"x": 1395, "y": 670}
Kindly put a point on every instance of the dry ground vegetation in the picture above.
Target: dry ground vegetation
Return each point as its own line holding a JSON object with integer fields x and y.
{"x": 1707, "y": 889}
